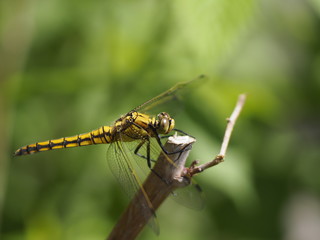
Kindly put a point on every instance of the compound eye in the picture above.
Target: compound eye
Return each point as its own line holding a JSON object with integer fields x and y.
{"x": 164, "y": 125}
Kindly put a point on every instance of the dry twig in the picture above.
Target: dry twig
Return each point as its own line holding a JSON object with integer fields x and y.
{"x": 193, "y": 169}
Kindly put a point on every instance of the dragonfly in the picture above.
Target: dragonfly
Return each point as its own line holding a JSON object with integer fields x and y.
{"x": 137, "y": 127}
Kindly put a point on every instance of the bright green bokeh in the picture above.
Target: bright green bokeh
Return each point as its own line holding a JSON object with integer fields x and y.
{"x": 68, "y": 67}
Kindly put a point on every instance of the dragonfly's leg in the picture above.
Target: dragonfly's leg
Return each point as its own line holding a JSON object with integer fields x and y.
{"x": 177, "y": 130}
{"x": 148, "y": 158}
{"x": 149, "y": 164}
{"x": 148, "y": 154}
{"x": 158, "y": 138}
{"x": 184, "y": 133}
{"x": 165, "y": 136}
{"x": 136, "y": 151}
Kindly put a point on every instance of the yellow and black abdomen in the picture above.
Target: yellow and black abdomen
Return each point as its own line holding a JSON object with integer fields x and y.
{"x": 102, "y": 135}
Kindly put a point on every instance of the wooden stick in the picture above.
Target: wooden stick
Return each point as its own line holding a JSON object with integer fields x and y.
{"x": 157, "y": 188}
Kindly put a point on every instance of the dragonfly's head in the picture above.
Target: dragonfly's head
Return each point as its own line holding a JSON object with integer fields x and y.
{"x": 165, "y": 123}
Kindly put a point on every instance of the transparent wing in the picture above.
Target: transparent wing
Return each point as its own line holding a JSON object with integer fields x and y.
{"x": 119, "y": 157}
{"x": 176, "y": 92}
{"x": 190, "y": 196}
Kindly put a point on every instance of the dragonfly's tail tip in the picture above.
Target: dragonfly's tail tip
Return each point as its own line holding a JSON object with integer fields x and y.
{"x": 17, "y": 153}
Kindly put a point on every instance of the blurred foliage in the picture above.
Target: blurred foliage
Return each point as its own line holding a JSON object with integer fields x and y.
{"x": 67, "y": 67}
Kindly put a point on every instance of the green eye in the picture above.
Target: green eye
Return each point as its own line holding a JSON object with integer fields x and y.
{"x": 166, "y": 123}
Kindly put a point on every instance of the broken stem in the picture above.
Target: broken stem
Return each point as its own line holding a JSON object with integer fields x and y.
{"x": 171, "y": 168}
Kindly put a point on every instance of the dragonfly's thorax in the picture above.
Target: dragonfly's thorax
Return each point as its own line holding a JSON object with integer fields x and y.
{"x": 132, "y": 126}
{"x": 137, "y": 125}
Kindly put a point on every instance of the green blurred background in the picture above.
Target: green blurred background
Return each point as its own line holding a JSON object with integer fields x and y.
{"x": 67, "y": 67}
